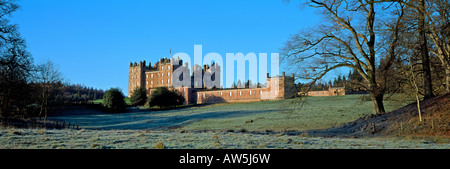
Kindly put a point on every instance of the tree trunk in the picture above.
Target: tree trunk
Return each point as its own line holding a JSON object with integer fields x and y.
{"x": 447, "y": 78}
{"x": 377, "y": 101}
{"x": 424, "y": 52}
{"x": 42, "y": 109}
{"x": 413, "y": 82}
{"x": 46, "y": 109}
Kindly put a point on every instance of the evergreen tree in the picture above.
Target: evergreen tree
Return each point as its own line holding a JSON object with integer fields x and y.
{"x": 113, "y": 100}
{"x": 165, "y": 98}
{"x": 139, "y": 96}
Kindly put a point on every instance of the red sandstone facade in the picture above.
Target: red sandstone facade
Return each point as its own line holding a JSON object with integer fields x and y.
{"x": 160, "y": 75}
{"x": 334, "y": 91}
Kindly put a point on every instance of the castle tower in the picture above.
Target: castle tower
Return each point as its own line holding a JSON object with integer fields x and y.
{"x": 136, "y": 76}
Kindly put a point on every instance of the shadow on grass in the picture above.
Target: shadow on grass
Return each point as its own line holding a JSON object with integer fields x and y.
{"x": 141, "y": 118}
{"x": 152, "y": 120}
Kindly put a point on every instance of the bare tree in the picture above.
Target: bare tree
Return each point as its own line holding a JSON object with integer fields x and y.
{"x": 16, "y": 65}
{"x": 423, "y": 20}
{"x": 438, "y": 15}
{"x": 431, "y": 18}
{"x": 412, "y": 80}
{"x": 347, "y": 38}
{"x": 48, "y": 77}
{"x": 424, "y": 51}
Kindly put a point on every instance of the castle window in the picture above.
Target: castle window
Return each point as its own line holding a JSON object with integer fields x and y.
{"x": 240, "y": 93}
{"x": 162, "y": 74}
{"x": 203, "y": 95}
{"x": 220, "y": 94}
{"x": 168, "y": 67}
{"x": 250, "y": 92}
{"x": 230, "y": 93}
{"x": 146, "y": 76}
{"x": 151, "y": 75}
{"x": 162, "y": 81}
{"x": 146, "y": 82}
{"x": 137, "y": 83}
{"x": 151, "y": 82}
{"x": 168, "y": 81}
{"x": 260, "y": 92}
{"x": 162, "y": 67}
{"x": 168, "y": 73}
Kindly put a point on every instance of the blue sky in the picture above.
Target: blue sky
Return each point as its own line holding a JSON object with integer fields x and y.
{"x": 93, "y": 41}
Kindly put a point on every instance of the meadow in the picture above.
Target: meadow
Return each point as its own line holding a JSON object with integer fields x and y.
{"x": 238, "y": 125}
{"x": 278, "y": 115}
{"x": 148, "y": 139}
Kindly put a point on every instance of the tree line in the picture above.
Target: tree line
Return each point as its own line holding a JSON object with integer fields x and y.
{"x": 76, "y": 94}
{"x": 350, "y": 81}
{"x": 28, "y": 89}
{"x": 395, "y": 46}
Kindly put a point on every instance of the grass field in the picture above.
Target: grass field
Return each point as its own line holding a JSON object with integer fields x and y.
{"x": 145, "y": 139}
{"x": 100, "y": 101}
{"x": 227, "y": 126}
{"x": 316, "y": 113}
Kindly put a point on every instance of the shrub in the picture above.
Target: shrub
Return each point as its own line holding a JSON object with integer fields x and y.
{"x": 165, "y": 98}
{"x": 139, "y": 96}
{"x": 113, "y": 100}
{"x": 159, "y": 145}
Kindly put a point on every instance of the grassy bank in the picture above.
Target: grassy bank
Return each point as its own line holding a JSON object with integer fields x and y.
{"x": 316, "y": 113}
{"x": 228, "y": 126}
{"x": 100, "y": 101}
{"x": 144, "y": 139}
{"x": 313, "y": 113}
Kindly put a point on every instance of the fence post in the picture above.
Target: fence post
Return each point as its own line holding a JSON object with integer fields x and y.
{"x": 373, "y": 127}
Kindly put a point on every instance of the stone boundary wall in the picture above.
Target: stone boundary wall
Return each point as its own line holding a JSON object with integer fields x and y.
{"x": 329, "y": 92}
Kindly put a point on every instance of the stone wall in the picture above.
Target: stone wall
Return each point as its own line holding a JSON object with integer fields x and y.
{"x": 248, "y": 95}
{"x": 329, "y": 92}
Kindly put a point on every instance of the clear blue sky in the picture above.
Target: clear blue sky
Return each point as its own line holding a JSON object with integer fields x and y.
{"x": 93, "y": 41}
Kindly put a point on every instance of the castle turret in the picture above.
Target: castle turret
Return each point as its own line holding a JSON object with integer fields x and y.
{"x": 136, "y": 76}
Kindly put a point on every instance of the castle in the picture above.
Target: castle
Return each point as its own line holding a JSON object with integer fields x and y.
{"x": 160, "y": 75}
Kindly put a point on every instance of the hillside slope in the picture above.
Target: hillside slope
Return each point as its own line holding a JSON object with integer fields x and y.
{"x": 401, "y": 122}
